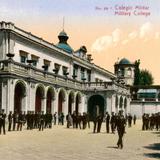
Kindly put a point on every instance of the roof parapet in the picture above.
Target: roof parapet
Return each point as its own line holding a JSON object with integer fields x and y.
{"x": 6, "y": 25}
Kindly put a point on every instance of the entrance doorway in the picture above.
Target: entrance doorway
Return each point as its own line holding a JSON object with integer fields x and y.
{"x": 95, "y": 106}
{"x": 19, "y": 96}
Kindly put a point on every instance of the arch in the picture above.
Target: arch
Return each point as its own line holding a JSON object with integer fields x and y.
{"x": 96, "y": 106}
{"x": 70, "y": 102}
{"x": 121, "y": 102}
{"x": 39, "y": 97}
{"x": 49, "y": 99}
{"x": 19, "y": 96}
{"x": 78, "y": 101}
{"x": 61, "y": 99}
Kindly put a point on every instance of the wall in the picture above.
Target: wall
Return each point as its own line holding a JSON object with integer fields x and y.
{"x": 139, "y": 108}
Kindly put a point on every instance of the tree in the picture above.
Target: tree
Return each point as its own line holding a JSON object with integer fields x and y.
{"x": 146, "y": 78}
{"x": 137, "y": 73}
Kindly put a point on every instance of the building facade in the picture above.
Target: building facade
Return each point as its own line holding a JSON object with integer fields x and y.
{"x": 36, "y": 75}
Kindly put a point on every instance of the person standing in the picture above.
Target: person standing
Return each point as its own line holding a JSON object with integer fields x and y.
{"x": 134, "y": 119}
{"x": 99, "y": 122}
{"x": 88, "y": 119}
{"x": 62, "y": 118}
{"x": 15, "y": 120}
{"x": 113, "y": 121}
{"x": 42, "y": 118}
{"x": 20, "y": 122}
{"x": 107, "y": 122}
{"x": 55, "y": 118}
{"x": 121, "y": 123}
{"x": 84, "y": 120}
{"x": 2, "y": 121}
{"x": 95, "y": 120}
{"x": 129, "y": 120}
{"x": 69, "y": 120}
{"x": 10, "y": 118}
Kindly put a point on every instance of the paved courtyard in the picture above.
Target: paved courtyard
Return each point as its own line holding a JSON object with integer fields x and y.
{"x": 60, "y": 143}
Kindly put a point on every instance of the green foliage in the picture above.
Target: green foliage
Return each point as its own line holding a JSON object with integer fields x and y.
{"x": 142, "y": 77}
{"x": 146, "y": 78}
{"x": 137, "y": 73}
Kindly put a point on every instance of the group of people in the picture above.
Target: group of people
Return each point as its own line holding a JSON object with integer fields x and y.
{"x": 39, "y": 120}
{"x": 78, "y": 120}
{"x": 16, "y": 121}
{"x": 150, "y": 122}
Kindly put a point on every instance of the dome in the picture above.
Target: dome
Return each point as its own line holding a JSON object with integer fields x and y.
{"x": 63, "y": 33}
{"x": 63, "y": 37}
{"x": 65, "y": 47}
{"x": 124, "y": 61}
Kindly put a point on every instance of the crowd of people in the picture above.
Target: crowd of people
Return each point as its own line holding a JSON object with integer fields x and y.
{"x": 150, "y": 122}
{"x": 114, "y": 122}
{"x": 32, "y": 120}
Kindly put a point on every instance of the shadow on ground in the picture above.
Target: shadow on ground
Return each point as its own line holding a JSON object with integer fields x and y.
{"x": 155, "y": 147}
{"x": 112, "y": 147}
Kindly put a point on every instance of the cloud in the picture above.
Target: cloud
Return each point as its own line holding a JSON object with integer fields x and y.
{"x": 132, "y": 35}
{"x": 146, "y": 30}
{"x": 102, "y": 43}
{"x": 116, "y": 34}
{"x": 107, "y": 41}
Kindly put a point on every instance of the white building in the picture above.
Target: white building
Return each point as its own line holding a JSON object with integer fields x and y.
{"x": 36, "y": 75}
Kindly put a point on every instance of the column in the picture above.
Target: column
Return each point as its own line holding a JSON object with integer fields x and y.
{"x": 43, "y": 105}
{"x": 65, "y": 105}
{"x": 55, "y": 109}
{"x": 109, "y": 102}
{"x": 53, "y": 105}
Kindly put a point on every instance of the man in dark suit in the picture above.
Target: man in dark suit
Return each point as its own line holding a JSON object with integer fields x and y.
{"x": 20, "y": 122}
{"x": 41, "y": 123}
{"x": 99, "y": 121}
{"x": 15, "y": 119}
{"x": 10, "y": 118}
{"x": 107, "y": 122}
{"x": 2, "y": 121}
{"x": 120, "y": 123}
{"x": 113, "y": 121}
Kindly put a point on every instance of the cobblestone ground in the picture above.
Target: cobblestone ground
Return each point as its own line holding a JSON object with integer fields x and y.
{"x": 60, "y": 143}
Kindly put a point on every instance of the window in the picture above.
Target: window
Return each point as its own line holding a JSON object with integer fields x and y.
{"x": 64, "y": 68}
{"x": 82, "y": 74}
{"x": 96, "y": 80}
{"x": 88, "y": 75}
{"x": 129, "y": 72}
{"x": 23, "y": 56}
{"x": 35, "y": 58}
{"x": 75, "y": 71}
{"x": 46, "y": 64}
{"x": 35, "y": 63}
{"x": 56, "y": 68}
{"x": 23, "y": 59}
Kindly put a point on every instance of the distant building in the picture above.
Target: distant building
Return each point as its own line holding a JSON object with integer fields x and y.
{"x": 144, "y": 99}
{"x": 124, "y": 70}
